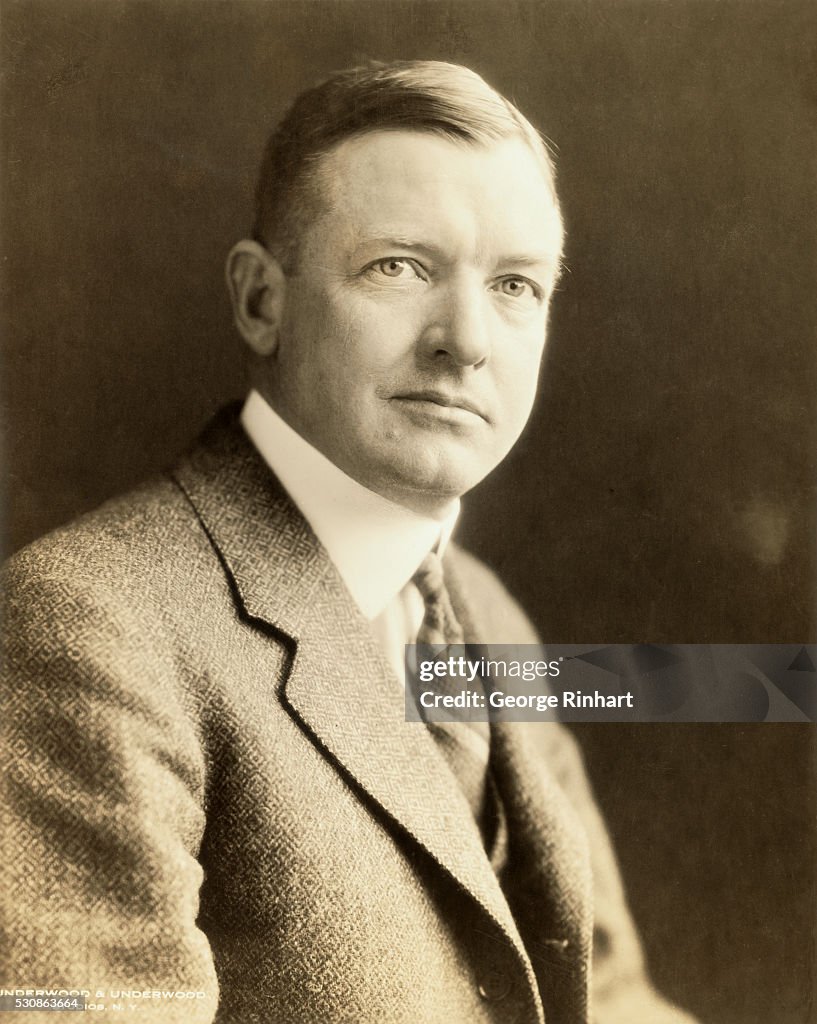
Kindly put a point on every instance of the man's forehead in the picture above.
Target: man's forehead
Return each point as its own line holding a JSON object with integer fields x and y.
{"x": 385, "y": 152}
{"x": 414, "y": 186}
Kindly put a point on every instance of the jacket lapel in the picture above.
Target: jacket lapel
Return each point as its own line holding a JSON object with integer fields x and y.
{"x": 345, "y": 694}
{"x": 340, "y": 688}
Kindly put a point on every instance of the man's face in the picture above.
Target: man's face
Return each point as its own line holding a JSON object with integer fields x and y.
{"x": 413, "y": 330}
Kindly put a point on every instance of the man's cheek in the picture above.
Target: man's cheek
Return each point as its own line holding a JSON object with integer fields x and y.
{"x": 517, "y": 387}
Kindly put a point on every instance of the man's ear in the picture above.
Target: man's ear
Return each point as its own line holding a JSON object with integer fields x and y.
{"x": 257, "y": 286}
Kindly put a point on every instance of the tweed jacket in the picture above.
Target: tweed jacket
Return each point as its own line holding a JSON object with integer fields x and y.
{"x": 214, "y": 809}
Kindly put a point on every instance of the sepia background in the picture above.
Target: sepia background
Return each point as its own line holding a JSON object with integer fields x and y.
{"x": 664, "y": 490}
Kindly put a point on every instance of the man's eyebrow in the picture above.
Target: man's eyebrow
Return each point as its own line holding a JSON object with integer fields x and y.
{"x": 396, "y": 241}
{"x": 548, "y": 261}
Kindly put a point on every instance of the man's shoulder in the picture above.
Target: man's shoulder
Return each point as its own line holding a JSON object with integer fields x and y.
{"x": 115, "y": 541}
{"x": 152, "y": 532}
{"x": 114, "y": 579}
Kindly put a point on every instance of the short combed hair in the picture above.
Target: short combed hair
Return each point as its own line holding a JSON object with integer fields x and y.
{"x": 418, "y": 95}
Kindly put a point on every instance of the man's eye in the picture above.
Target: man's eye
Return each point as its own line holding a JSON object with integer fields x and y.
{"x": 396, "y": 266}
{"x": 517, "y": 288}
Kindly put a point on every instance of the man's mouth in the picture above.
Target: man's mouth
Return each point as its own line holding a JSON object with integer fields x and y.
{"x": 444, "y": 399}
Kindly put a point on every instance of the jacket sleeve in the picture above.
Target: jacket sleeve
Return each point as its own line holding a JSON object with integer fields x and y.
{"x": 102, "y": 808}
{"x": 621, "y": 990}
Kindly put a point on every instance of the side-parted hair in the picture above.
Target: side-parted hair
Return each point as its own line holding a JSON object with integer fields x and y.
{"x": 418, "y": 95}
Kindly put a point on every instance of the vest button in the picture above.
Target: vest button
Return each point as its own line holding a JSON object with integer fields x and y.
{"x": 494, "y": 985}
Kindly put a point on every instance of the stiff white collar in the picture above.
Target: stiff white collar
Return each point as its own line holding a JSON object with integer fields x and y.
{"x": 376, "y": 545}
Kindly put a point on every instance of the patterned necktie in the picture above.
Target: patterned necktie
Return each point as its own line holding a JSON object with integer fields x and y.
{"x": 465, "y": 745}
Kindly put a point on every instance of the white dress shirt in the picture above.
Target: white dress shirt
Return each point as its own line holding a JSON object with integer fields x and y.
{"x": 376, "y": 545}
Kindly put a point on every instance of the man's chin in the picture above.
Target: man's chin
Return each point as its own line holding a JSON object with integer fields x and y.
{"x": 426, "y": 486}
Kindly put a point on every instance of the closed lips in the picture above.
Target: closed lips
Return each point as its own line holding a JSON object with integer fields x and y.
{"x": 447, "y": 401}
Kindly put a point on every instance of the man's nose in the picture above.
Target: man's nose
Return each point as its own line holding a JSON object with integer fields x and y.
{"x": 458, "y": 327}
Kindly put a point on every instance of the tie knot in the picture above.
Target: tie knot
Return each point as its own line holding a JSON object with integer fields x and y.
{"x": 440, "y": 625}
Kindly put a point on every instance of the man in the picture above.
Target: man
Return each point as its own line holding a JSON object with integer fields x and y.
{"x": 216, "y": 809}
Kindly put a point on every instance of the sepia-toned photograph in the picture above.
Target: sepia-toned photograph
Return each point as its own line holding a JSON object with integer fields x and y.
{"x": 346, "y": 345}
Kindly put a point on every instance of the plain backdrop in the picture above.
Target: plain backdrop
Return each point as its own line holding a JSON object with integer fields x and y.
{"x": 664, "y": 490}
